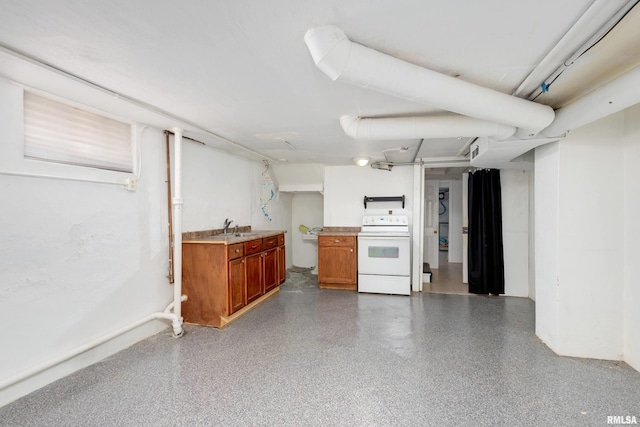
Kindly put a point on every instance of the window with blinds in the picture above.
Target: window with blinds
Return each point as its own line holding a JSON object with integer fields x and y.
{"x": 56, "y": 132}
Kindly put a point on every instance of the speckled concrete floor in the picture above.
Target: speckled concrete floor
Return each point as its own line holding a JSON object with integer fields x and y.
{"x": 312, "y": 357}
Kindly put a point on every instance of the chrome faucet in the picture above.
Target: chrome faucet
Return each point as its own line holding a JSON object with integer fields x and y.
{"x": 227, "y": 223}
{"x": 235, "y": 229}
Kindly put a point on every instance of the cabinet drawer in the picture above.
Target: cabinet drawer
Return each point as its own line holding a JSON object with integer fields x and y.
{"x": 336, "y": 241}
{"x": 252, "y": 247}
{"x": 269, "y": 242}
{"x": 235, "y": 251}
{"x": 280, "y": 239}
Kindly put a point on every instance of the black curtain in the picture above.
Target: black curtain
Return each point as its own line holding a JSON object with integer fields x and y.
{"x": 486, "y": 260}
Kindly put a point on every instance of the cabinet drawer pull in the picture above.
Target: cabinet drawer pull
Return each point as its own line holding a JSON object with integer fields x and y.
{"x": 237, "y": 251}
{"x": 337, "y": 241}
{"x": 350, "y": 250}
{"x": 254, "y": 246}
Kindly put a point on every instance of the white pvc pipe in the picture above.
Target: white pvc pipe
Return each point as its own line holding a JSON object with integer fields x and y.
{"x": 122, "y": 182}
{"x": 352, "y": 63}
{"x": 176, "y": 323}
{"x": 428, "y": 127}
{"x": 588, "y": 28}
{"x": 607, "y": 99}
{"x": 145, "y": 106}
{"x": 177, "y": 223}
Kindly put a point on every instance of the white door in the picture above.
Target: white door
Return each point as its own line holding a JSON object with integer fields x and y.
{"x": 431, "y": 222}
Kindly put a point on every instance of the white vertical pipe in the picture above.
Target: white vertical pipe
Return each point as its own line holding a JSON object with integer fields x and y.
{"x": 177, "y": 223}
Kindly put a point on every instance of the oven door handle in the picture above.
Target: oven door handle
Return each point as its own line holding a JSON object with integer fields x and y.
{"x": 382, "y": 237}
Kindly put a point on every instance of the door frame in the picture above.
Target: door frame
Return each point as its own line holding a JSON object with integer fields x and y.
{"x": 418, "y": 227}
{"x": 419, "y": 175}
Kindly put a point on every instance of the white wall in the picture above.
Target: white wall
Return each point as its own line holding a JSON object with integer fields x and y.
{"x": 346, "y": 186}
{"x": 579, "y": 241}
{"x": 547, "y": 164}
{"x": 515, "y": 231}
{"x": 631, "y": 237}
{"x": 81, "y": 260}
{"x": 217, "y": 186}
{"x": 532, "y": 230}
{"x": 306, "y": 209}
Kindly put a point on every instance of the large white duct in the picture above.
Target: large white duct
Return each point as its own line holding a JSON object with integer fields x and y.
{"x": 607, "y": 99}
{"x": 428, "y": 127}
{"x": 352, "y": 63}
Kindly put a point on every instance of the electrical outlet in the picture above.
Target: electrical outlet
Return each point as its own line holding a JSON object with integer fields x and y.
{"x": 131, "y": 184}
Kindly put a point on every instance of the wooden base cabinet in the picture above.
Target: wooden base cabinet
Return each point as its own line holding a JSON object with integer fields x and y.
{"x": 253, "y": 266}
{"x": 223, "y": 282}
{"x": 270, "y": 269}
{"x": 237, "y": 288}
{"x": 337, "y": 262}
{"x": 282, "y": 265}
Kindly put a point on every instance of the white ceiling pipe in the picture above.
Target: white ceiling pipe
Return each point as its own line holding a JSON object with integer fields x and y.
{"x": 607, "y": 99}
{"x": 450, "y": 126}
{"x": 352, "y": 63}
{"x": 599, "y": 18}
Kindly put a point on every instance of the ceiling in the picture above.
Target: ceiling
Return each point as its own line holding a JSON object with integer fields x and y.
{"x": 238, "y": 76}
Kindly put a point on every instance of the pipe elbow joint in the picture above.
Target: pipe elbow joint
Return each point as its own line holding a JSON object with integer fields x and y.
{"x": 350, "y": 125}
{"x": 178, "y": 330}
{"x": 330, "y": 49}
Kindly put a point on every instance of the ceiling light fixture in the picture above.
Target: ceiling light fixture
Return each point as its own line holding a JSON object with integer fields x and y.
{"x": 361, "y": 161}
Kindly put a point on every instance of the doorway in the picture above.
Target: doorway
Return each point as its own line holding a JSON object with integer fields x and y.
{"x": 443, "y": 238}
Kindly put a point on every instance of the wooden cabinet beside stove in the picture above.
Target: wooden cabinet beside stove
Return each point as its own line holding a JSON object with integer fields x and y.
{"x": 338, "y": 262}
{"x": 222, "y": 282}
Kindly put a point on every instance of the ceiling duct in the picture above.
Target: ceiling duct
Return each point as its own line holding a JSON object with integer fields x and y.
{"x": 353, "y": 63}
{"x": 449, "y": 126}
{"x": 485, "y": 153}
{"x": 607, "y": 99}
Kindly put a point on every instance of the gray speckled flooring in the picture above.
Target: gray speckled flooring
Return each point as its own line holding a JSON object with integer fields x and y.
{"x": 311, "y": 357}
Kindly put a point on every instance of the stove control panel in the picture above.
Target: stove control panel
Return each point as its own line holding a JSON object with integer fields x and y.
{"x": 400, "y": 220}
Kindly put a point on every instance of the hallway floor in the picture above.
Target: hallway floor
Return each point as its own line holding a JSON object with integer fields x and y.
{"x": 447, "y": 278}
{"x": 312, "y": 357}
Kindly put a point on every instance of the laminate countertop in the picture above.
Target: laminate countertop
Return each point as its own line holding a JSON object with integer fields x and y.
{"x": 230, "y": 239}
{"x": 339, "y": 231}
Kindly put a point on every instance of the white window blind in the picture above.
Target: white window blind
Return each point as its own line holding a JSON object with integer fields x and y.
{"x": 60, "y": 133}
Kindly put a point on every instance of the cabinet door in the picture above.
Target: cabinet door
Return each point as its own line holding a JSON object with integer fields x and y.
{"x": 237, "y": 294}
{"x": 253, "y": 271}
{"x": 282, "y": 265}
{"x": 337, "y": 262}
{"x": 269, "y": 269}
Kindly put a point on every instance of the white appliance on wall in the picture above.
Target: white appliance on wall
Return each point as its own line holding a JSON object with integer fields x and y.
{"x": 384, "y": 255}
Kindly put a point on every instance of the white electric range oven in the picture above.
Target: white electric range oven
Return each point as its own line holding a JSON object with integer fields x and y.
{"x": 384, "y": 255}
